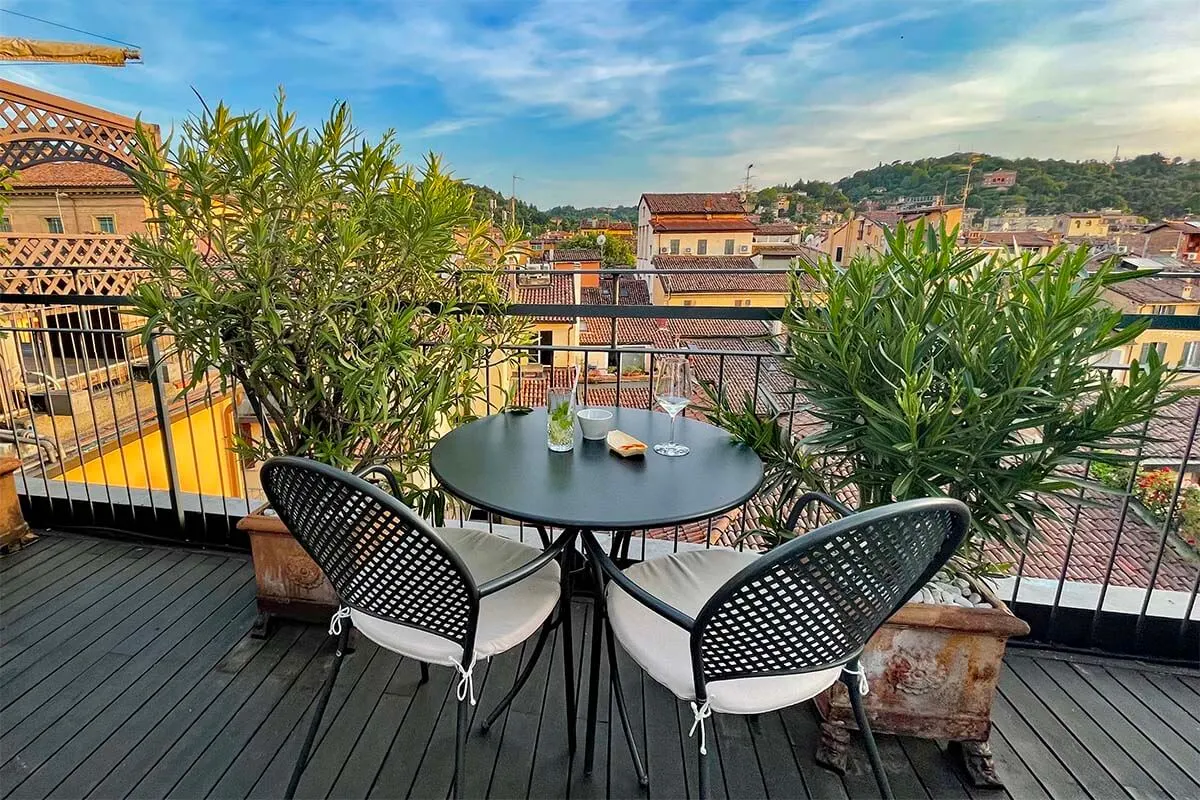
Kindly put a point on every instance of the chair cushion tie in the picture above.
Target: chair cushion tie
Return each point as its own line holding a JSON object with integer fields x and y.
{"x": 335, "y": 622}
{"x": 699, "y": 714}
{"x": 466, "y": 680}
{"x": 863, "y": 687}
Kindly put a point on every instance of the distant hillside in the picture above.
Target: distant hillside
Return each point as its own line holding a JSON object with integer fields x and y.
{"x": 490, "y": 202}
{"x": 574, "y": 215}
{"x": 1149, "y": 185}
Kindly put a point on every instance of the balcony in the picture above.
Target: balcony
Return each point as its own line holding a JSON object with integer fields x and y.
{"x": 128, "y": 671}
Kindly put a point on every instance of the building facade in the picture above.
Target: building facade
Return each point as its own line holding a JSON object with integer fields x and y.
{"x": 692, "y": 224}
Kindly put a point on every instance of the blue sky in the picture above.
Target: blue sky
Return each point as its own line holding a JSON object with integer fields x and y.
{"x": 595, "y": 101}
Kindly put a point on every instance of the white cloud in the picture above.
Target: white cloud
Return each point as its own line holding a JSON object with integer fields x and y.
{"x": 445, "y": 127}
{"x": 1125, "y": 75}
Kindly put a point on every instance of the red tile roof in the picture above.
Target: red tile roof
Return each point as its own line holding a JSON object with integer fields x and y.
{"x": 1157, "y": 291}
{"x": 581, "y": 254}
{"x": 559, "y": 291}
{"x": 531, "y": 390}
{"x": 719, "y": 328}
{"x": 598, "y": 330}
{"x": 71, "y": 173}
{"x": 774, "y": 283}
{"x": 778, "y": 229}
{"x": 701, "y": 225}
{"x": 606, "y": 395}
{"x": 694, "y": 203}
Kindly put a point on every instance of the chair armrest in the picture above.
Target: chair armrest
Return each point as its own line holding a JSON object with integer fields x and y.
{"x": 664, "y": 610}
{"x": 805, "y": 499}
{"x": 387, "y": 473}
{"x": 528, "y": 568}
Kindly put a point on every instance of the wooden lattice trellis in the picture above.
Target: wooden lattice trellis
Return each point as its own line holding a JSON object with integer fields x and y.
{"x": 39, "y": 128}
{"x": 61, "y": 264}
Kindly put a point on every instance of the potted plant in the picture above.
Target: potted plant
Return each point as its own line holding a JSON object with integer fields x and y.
{"x": 932, "y": 370}
{"x": 336, "y": 286}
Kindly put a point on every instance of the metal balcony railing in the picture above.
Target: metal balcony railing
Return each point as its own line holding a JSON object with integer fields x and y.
{"x": 107, "y": 442}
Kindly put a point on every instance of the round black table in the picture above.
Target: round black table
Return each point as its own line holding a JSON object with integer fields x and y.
{"x": 501, "y": 464}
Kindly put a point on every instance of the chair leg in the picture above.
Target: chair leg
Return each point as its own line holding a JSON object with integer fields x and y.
{"x": 564, "y": 605}
{"x": 594, "y": 673}
{"x": 622, "y": 711}
{"x": 424, "y": 674}
{"x": 702, "y": 768}
{"x": 460, "y": 745}
{"x": 864, "y": 727}
{"x": 523, "y": 678}
{"x": 319, "y": 711}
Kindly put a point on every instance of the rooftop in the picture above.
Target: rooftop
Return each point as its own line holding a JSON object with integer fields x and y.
{"x": 559, "y": 289}
{"x": 132, "y": 674}
{"x": 71, "y": 173}
{"x": 777, "y": 228}
{"x": 580, "y": 254}
{"x": 694, "y": 203}
{"x": 695, "y": 283}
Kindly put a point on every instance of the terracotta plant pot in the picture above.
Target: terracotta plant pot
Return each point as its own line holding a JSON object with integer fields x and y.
{"x": 290, "y": 584}
{"x": 13, "y": 530}
{"x": 932, "y": 671}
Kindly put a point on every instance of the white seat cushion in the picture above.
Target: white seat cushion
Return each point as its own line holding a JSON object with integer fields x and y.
{"x": 506, "y": 618}
{"x": 686, "y": 581}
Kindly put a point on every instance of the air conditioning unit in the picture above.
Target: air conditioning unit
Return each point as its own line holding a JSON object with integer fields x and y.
{"x": 687, "y": 250}
{"x": 664, "y": 250}
{"x": 744, "y": 248}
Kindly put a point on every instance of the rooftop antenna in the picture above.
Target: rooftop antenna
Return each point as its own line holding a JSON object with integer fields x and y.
{"x": 512, "y": 201}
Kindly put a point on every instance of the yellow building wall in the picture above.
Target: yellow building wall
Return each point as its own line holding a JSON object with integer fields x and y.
{"x": 27, "y": 214}
{"x": 565, "y": 334}
{"x": 716, "y": 242}
{"x": 753, "y": 299}
{"x": 203, "y": 458}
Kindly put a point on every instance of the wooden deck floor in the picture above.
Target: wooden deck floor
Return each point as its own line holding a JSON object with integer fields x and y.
{"x": 126, "y": 671}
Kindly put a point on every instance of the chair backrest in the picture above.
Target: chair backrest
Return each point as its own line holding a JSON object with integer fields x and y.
{"x": 814, "y": 602}
{"x": 380, "y": 556}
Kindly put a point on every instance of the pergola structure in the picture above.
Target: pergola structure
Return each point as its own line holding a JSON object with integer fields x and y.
{"x": 40, "y": 128}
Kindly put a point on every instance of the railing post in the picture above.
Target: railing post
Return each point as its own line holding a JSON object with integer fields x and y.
{"x": 163, "y": 414}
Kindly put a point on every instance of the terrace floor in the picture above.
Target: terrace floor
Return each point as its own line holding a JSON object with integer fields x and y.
{"x": 126, "y": 670}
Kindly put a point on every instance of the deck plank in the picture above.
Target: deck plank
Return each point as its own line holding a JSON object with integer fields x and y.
{"x": 131, "y": 675}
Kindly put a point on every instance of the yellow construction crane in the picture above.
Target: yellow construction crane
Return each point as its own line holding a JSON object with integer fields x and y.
{"x": 43, "y": 52}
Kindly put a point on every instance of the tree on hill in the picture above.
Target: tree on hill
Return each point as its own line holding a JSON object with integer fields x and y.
{"x": 490, "y": 203}
{"x": 617, "y": 251}
{"x": 1149, "y": 185}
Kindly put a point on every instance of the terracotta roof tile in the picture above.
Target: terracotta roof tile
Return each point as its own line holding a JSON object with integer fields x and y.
{"x": 773, "y": 283}
{"x": 560, "y": 290}
{"x": 694, "y": 203}
{"x": 581, "y": 254}
{"x": 71, "y": 173}
{"x": 778, "y": 229}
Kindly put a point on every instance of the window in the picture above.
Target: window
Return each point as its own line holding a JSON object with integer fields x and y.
{"x": 1163, "y": 310}
{"x": 687, "y": 302}
{"x": 674, "y": 247}
{"x": 729, "y": 247}
{"x": 1191, "y": 355}
{"x": 702, "y": 247}
{"x": 106, "y": 225}
{"x": 54, "y": 224}
{"x": 862, "y": 227}
{"x": 546, "y": 357}
{"x": 5, "y": 225}
{"x": 741, "y": 302}
{"x": 837, "y": 255}
{"x": 1109, "y": 358}
{"x": 1159, "y": 347}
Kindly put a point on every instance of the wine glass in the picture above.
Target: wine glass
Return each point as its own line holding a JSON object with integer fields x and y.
{"x": 673, "y": 389}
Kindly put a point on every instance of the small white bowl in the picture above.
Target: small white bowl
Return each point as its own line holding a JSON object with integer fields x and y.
{"x": 596, "y": 422}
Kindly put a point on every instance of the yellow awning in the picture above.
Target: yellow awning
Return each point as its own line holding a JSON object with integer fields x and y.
{"x": 14, "y": 49}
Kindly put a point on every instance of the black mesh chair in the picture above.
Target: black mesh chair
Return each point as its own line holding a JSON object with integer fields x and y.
{"x": 743, "y": 633}
{"x": 448, "y": 596}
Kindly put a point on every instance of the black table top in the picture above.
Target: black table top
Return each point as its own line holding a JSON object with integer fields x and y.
{"x": 501, "y": 463}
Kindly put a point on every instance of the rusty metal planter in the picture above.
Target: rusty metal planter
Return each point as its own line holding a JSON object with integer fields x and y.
{"x": 932, "y": 671}
{"x": 13, "y": 531}
{"x": 290, "y": 584}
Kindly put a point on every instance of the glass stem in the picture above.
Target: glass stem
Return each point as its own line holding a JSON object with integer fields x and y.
{"x": 673, "y": 428}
